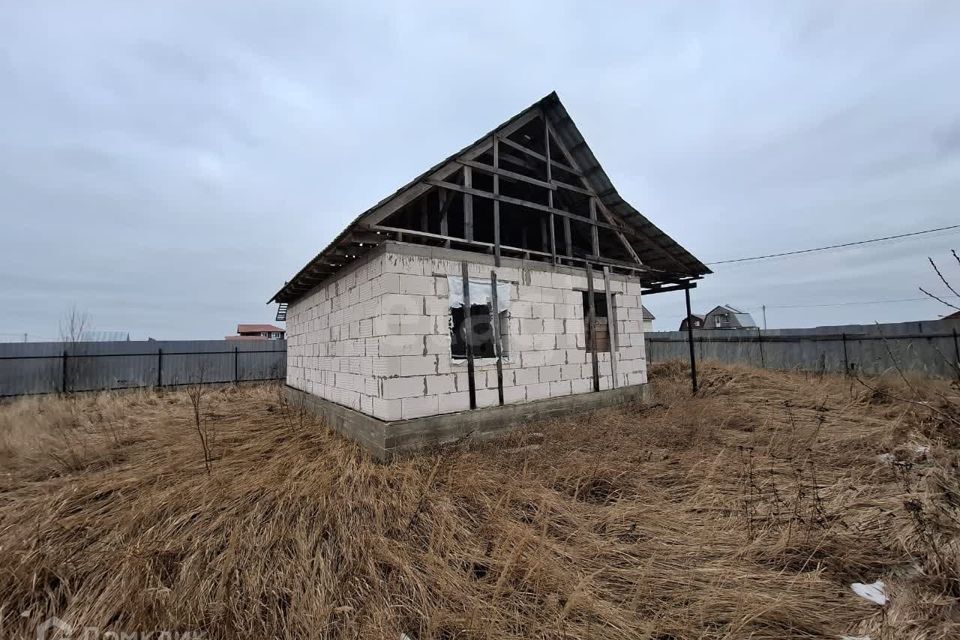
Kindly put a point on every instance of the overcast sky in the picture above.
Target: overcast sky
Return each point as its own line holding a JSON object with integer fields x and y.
{"x": 166, "y": 166}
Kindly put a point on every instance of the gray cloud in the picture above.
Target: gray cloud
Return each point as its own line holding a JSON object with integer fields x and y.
{"x": 167, "y": 166}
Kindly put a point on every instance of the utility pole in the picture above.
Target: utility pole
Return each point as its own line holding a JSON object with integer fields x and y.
{"x": 764, "y": 307}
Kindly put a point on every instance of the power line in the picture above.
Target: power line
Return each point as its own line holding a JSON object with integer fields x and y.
{"x": 827, "y": 304}
{"x": 837, "y": 246}
{"x": 844, "y": 304}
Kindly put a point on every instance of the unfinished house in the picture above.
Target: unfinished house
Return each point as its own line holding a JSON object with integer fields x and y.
{"x": 502, "y": 284}
{"x": 727, "y": 317}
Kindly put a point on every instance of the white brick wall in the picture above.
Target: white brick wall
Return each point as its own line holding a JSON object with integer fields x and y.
{"x": 330, "y": 351}
{"x": 376, "y": 339}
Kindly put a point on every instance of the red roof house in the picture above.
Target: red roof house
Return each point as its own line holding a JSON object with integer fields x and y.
{"x": 258, "y": 332}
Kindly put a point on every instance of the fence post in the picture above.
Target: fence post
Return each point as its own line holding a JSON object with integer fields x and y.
{"x": 236, "y": 368}
{"x": 63, "y": 378}
{"x": 956, "y": 350}
{"x": 159, "y": 368}
{"x": 763, "y": 364}
{"x": 846, "y": 359}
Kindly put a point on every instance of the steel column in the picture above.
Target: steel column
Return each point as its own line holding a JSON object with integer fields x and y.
{"x": 693, "y": 354}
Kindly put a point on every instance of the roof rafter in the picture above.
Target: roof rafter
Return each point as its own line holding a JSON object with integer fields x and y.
{"x": 526, "y": 203}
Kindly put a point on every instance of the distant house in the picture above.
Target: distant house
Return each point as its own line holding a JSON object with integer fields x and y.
{"x": 258, "y": 332}
{"x": 648, "y": 318}
{"x": 727, "y": 317}
{"x": 697, "y": 322}
{"x": 953, "y": 316}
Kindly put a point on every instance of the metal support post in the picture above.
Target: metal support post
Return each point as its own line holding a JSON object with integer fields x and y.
{"x": 693, "y": 355}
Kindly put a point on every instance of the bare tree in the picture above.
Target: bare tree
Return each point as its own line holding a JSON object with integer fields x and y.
{"x": 947, "y": 409}
{"x": 945, "y": 282}
{"x": 196, "y": 392}
{"x": 74, "y": 325}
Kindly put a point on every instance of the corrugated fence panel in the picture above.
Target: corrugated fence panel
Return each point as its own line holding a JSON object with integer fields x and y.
{"x": 927, "y": 348}
{"x": 52, "y": 367}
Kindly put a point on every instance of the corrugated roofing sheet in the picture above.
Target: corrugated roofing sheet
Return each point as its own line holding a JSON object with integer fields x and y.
{"x": 746, "y": 320}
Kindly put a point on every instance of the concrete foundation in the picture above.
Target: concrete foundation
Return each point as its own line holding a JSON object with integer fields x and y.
{"x": 385, "y": 440}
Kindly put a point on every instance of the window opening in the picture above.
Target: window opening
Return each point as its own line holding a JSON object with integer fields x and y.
{"x": 481, "y": 334}
{"x": 600, "y": 330}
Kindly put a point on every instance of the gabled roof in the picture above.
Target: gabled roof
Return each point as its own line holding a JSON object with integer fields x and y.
{"x": 666, "y": 261}
{"x": 697, "y": 321}
{"x": 646, "y": 313}
{"x": 743, "y": 319}
{"x": 724, "y": 308}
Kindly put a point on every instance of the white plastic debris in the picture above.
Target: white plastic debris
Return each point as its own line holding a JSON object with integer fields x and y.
{"x": 921, "y": 449}
{"x": 480, "y": 293}
{"x": 872, "y": 592}
{"x": 889, "y": 458}
{"x": 854, "y": 637}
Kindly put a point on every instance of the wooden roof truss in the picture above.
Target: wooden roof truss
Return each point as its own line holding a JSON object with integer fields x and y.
{"x": 518, "y": 192}
{"x": 511, "y": 195}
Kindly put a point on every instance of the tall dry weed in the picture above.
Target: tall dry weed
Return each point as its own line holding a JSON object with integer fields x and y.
{"x": 744, "y": 512}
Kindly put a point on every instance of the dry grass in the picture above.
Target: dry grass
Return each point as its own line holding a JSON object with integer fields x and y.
{"x": 744, "y": 512}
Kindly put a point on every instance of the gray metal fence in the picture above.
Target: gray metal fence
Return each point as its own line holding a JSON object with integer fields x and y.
{"x": 56, "y": 367}
{"x": 928, "y": 348}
